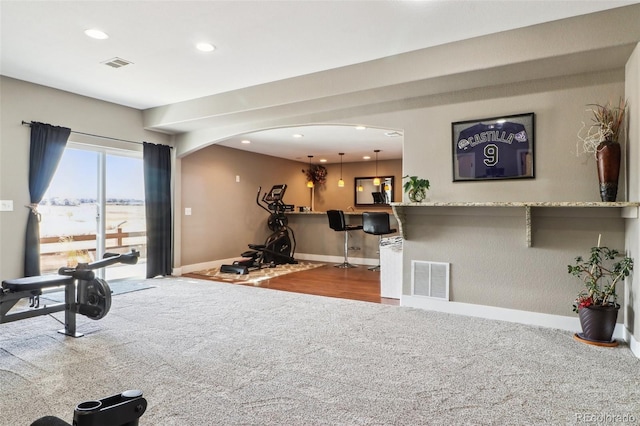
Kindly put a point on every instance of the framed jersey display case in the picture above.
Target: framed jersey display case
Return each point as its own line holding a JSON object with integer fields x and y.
{"x": 493, "y": 148}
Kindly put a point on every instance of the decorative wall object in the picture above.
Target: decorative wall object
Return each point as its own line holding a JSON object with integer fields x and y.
{"x": 367, "y": 193}
{"x": 493, "y": 148}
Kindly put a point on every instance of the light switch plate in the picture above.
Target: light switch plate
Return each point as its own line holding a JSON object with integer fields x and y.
{"x": 6, "y": 205}
{"x": 187, "y": 211}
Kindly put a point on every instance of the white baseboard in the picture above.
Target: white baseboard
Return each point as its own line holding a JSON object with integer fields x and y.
{"x": 539, "y": 319}
{"x": 185, "y": 269}
{"x": 336, "y": 259}
{"x": 634, "y": 345}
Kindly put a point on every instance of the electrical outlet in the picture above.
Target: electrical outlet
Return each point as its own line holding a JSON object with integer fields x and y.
{"x": 237, "y": 178}
{"x": 6, "y": 205}
{"x": 187, "y": 211}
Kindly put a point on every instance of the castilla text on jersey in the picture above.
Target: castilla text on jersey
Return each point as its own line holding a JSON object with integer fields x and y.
{"x": 491, "y": 136}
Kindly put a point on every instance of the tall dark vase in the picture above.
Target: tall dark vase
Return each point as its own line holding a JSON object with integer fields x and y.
{"x": 608, "y": 158}
{"x": 598, "y": 322}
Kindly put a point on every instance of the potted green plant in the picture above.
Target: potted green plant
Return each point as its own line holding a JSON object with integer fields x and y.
{"x": 416, "y": 188}
{"x": 596, "y": 304}
{"x": 602, "y": 139}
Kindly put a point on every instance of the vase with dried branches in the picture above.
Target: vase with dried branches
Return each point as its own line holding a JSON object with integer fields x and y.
{"x": 602, "y": 139}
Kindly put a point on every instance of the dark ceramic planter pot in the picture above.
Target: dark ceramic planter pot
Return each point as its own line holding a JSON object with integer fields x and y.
{"x": 608, "y": 158}
{"x": 598, "y": 322}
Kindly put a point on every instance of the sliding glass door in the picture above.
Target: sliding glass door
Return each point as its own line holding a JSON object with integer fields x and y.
{"x": 95, "y": 204}
{"x": 125, "y": 225}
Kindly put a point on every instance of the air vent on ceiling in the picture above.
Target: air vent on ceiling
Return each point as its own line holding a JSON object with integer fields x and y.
{"x": 117, "y": 62}
{"x": 393, "y": 134}
{"x": 430, "y": 279}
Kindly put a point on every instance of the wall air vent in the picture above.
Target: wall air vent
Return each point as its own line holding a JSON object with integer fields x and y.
{"x": 116, "y": 62}
{"x": 430, "y": 279}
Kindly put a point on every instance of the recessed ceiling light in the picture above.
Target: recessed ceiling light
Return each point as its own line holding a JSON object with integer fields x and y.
{"x": 366, "y": 157}
{"x": 245, "y": 141}
{"x": 298, "y": 135}
{"x": 205, "y": 47}
{"x": 323, "y": 160}
{"x": 97, "y": 34}
{"x": 360, "y": 128}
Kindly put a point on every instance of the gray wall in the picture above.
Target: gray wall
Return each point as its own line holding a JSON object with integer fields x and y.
{"x": 632, "y": 92}
{"x": 490, "y": 264}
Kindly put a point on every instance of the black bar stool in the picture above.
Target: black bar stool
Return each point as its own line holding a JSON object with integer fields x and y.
{"x": 377, "y": 223}
{"x": 338, "y": 224}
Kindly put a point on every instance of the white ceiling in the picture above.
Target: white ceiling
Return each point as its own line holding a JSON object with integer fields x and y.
{"x": 256, "y": 42}
{"x": 323, "y": 142}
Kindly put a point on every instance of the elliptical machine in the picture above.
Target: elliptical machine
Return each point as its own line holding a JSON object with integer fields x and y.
{"x": 280, "y": 246}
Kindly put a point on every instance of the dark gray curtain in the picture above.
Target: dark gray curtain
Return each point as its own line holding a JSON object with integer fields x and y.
{"x": 47, "y": 145}
{"x": 157, "y": 193}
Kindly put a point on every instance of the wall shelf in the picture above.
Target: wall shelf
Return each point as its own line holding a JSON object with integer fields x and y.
{"x": 628, "y": 210}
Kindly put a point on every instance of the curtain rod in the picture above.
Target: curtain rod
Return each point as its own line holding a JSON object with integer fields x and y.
{"x": 26, "y": 123}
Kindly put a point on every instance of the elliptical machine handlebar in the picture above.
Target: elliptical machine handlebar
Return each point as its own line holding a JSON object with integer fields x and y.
{"x": 258, "y": 200}
{"x": 272, "y": 201}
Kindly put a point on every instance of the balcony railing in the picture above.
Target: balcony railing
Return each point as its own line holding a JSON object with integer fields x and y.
{"x": 56, "y": 251}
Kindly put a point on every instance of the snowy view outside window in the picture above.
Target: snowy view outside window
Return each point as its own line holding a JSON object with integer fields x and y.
{"x": 70, "y": 212}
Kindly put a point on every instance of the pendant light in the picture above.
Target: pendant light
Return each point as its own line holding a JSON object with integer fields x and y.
{"x": 376, "y": 180}
{"x": 341, "y": 182}
{"x": 310, "y": 182}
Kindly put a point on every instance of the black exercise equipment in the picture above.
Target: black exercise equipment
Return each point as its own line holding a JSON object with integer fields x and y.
{"x": 123, "y": 409}
{"x": 279, "y": 248}
{"x": 83, "y": 293}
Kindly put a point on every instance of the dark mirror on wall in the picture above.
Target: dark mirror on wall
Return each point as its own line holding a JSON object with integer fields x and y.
{"x": 368, "y": 194}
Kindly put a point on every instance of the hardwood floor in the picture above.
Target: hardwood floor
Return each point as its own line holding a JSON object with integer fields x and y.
{"x": 354, "y": 283}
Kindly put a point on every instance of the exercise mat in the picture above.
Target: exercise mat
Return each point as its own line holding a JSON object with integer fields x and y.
{"x": 253, "y": 277}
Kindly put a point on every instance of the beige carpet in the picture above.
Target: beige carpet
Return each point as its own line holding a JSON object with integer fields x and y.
{"x": 208, "y": 353}
{"x": 254, "y": 277}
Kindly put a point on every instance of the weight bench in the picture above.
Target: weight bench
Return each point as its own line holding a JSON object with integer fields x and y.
{"x": 15, "y": 290}
{"x": 83, "y": 292}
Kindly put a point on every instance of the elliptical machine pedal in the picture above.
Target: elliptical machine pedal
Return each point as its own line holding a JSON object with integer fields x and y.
{"x": 234, "y": 269}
